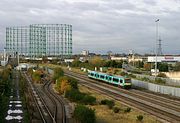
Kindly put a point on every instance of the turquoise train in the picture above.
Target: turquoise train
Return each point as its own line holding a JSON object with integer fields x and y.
{"x": 119, "y": 81}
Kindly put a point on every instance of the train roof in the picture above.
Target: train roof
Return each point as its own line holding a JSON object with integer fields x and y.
{"x": 108, "y": 74}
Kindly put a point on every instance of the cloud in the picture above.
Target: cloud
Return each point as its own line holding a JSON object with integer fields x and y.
{"x": 101, "y": 25}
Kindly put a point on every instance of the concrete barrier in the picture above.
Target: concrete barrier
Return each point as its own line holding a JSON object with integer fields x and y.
{"x": 173, "y": 91}
{"x": 173, "y": 82}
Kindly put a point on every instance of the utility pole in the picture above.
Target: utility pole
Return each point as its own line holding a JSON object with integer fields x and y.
{"x": 157, "y": 35}
{"x": 159, "y": 47}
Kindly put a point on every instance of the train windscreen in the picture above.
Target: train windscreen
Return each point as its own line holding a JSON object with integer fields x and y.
{"x": 128, "y": 80}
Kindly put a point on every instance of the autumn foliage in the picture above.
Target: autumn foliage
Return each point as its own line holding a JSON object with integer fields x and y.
{"x": 65, "y": 83}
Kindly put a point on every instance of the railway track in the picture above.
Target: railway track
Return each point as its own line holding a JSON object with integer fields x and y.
{"x": 161, "y": 107}
{"x": 56, "y": 102}
{"x": 48, "y": 115}
{"x": 42, "y": 108}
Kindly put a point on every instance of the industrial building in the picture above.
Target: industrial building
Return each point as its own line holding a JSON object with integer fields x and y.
{"x": 39, "y": 40}
{"x": 17, "y": 40}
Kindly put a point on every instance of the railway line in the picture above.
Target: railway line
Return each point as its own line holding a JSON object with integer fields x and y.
{"x": 42, "y": 107}
{"x": 49, "y": 114}
{"x": 57, "y": 103}
{"x": 161, "y": 107}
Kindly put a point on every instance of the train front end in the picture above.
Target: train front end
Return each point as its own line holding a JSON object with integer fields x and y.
{"x": 128, "y": 83}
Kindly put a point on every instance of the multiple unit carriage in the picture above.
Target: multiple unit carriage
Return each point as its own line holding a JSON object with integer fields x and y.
{"x": 119, "y": 81}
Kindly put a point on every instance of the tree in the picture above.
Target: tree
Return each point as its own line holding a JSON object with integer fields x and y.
{"x": 147, "y": 66}
{"x": 30, "y": 71}
{"x": 96, "y": 61}
{"x": 177, "y": 66}
{"x": 76, "y": 63}
{"x": 65, "y": 86}
{"x": 65, "y": 83}
{"x": 58, "y": 72}
{"x": 113, "y": 63}
{"x": 73, "y": 82}
{"x": 36, "y": 76}
{"x": 163, "y": 67}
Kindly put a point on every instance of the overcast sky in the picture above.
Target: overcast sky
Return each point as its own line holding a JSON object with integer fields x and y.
{"x": 101, "y": 25}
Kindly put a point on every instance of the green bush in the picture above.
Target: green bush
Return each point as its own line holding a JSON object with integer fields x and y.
{"x": 139, "y": 117}
{"x": 73, "y": 82}
{"x": 104, "y": 102}
{"x": 76, "y": 96}
{"x": 132, "y": 76}
{"x": 58, "y": 72}
{"x": 123, "y": 74}
{"x": 127, "y": 110}
{"x": 116, "y": 109}
{"x": 145, "y": 79}
{"x": 84, "y": 114}
{"x": 109, "y": 103}
{"x": 88, "y": 100}
{"x": 160, "y": 81}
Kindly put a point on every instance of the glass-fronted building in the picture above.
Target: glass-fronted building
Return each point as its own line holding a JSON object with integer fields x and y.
{"x": 38, "y": 40}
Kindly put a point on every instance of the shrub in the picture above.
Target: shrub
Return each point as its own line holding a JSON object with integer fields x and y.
{"x": 116, "y": 109}
{"x": 58, "y": 72}
{"x": 65, "y": 83}
{"x": 84, "y": 114}
{"x": 74, "y": 95}
{"x": 109, "y": 103}
{"x": 132, "y": 76}
{"x": 73, "y": 82}
{"x": 104, "y": 102}
{"x": 127, "y": 110}
{"x": 30, "y": 71}
{"x": 145, "y": 79}
{"x": 160, "y": 81}
{"x": 123, "y": 74}
{"x": 88, "y": 100}
{"x": 139, "y": 117}
{"x": 36, "y": 76}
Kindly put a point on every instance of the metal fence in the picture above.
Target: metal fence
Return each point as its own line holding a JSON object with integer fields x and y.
{"x": 173, "y": 91}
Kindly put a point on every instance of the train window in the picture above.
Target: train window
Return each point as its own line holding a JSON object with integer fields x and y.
{"x": 92, "y": 74}
{"x": 110, "y": 78}
{"x": 115, "y": 80}
{"x": 121, "y": 81}
{"x": 106, "y": 77}
{"x": 101, "y": 76}
{"x": 97, "y": 75}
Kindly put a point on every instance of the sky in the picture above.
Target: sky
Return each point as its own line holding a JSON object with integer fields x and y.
{"x": 101, "y": 25}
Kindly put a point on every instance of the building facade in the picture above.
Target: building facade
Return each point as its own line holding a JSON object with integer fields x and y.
{"x": 168, "y": 59}
{"x": 17, "y": 40}
{"x": 39, "y": 40}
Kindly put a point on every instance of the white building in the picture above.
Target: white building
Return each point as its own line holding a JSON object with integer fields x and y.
{"x": 164, "y": 58}
{"x": 118, "y": 58}
{"x": 85, "y": 52}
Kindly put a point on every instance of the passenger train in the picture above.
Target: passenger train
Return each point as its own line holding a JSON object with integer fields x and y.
{"x": 119, "y": 81}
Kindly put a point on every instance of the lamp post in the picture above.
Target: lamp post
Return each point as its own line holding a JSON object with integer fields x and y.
{"x": 156, "y": 46}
